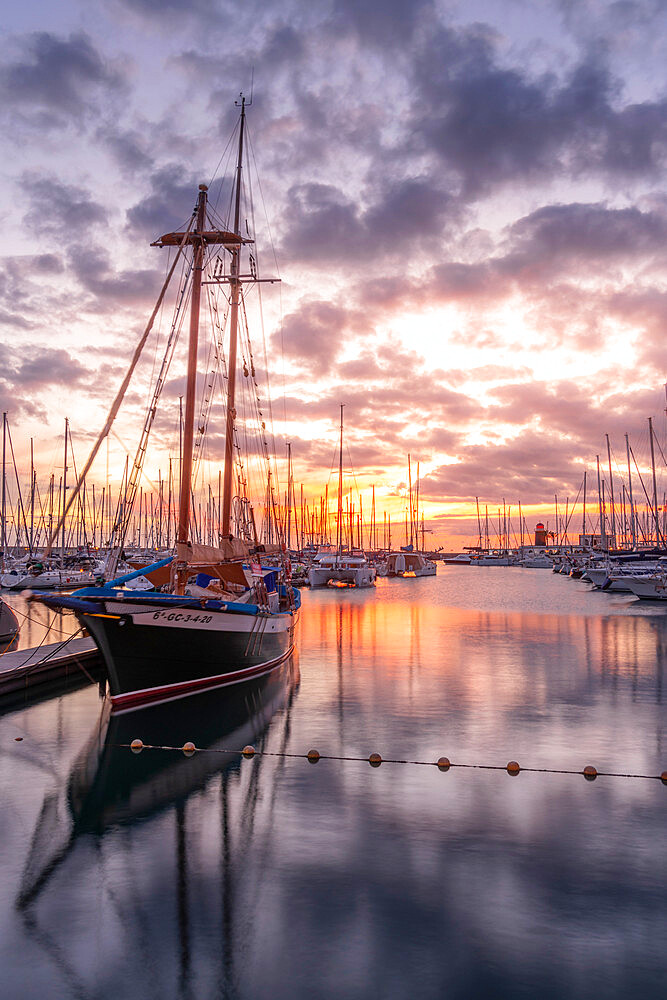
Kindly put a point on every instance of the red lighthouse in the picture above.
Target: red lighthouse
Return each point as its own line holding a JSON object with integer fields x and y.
{"x": 540, "y": 534}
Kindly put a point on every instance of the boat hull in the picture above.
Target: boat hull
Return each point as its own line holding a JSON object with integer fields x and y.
{"x": 162, "y": 647}
{"x": 354, "y": 576}
{"x": 156, "y": 653}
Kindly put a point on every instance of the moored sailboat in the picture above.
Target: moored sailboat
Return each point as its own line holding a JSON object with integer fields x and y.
{"x": 237, "y": 620}
{"x": 340, "y": 567}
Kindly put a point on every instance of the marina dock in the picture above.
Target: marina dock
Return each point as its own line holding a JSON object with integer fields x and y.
{"x": 30, "y": 667}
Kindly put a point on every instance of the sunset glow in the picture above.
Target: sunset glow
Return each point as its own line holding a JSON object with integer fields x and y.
{"x": 467, "y": 209}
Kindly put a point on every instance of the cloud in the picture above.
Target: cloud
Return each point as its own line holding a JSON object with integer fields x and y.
{"x": 159, "y": 9}
{"x": 314, "y": 334}
{"x": 325, "y": 226}
{"x": 495, "y": 125}
{"x": 584, "y": 236}
{"x": 172, "y": 197}
{"x": 27, "y": 372}
{"x": 128, "y": 147}
{"x": 65, "y": 210}
{"x": 30, "y": 289}
{"x": 62, "y": 76}
{"x": 379, "y": 23}
{"x": 93, "y": 271}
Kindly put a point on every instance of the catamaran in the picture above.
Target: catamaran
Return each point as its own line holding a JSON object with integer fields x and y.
{"x": 237, "y": 619}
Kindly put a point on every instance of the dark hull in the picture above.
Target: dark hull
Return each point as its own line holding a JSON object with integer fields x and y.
{"x": 150, "y": 663}
{"x": 160, "y": 647}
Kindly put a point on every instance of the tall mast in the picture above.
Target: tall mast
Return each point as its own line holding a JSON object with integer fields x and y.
{"x": 611, "y": 490}
{"x": 632, "y": 506}
{"x": 656, "y": 517}
{"x": 603, "y": 534}
{"x": 235, "y": 290}
{"x": 417, "y": 511}
{"x": 4, "y": 488}
{"x": 32, "y": 496}
{"x": 289, "y": 495}
{"x": 188, "y": 429}
{"x": 583, "y": 515}
{"x": 62, "y": 545}
{"x": 410, "y": 502}
{"x": 339, "y": 539}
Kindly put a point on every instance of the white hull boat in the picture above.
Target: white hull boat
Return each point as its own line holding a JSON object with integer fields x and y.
{"x": 330, "y": 569}
{"x": 408, "y": 564}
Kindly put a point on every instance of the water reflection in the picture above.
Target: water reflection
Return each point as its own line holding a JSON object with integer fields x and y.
{"x": 422, "y": 680}
{"x": 163, "y": 876}
{"x": 111, "y": 794}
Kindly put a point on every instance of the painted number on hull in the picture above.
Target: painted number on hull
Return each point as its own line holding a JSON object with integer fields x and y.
{"x": 182, "y": 616}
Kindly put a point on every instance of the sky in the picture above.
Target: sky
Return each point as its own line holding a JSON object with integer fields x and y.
{"x": 465, "y": 203}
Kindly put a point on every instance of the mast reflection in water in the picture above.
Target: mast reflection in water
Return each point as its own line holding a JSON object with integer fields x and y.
{"x": 210, "y": 876}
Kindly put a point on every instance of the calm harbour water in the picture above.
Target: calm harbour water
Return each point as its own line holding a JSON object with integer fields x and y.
{"x": 157, "y": 875}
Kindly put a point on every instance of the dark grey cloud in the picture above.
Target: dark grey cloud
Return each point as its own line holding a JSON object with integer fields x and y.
{"x": 159, "y": 9}
{"x": 62, "y": 76}
{"x": 29, "y": 290}
{"x": 495, "y": 124}
{"x": 128, "y": 147}
{"x": 379, "y": 23}
{"x": 65, "y": 210}
{"x": 325, "y": 225}
{"x": 169, "y": 203}
{"x": 93, "y": 270}
{"x": 542, "y": 256}
{"x": 586, "y": 234}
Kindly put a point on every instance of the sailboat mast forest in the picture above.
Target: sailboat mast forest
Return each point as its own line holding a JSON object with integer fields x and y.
{"x": 224, "y": 617}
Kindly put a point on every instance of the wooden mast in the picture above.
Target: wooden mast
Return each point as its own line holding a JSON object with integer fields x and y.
{"x": 235, "y": 290}
{"x": 188, "y": 429}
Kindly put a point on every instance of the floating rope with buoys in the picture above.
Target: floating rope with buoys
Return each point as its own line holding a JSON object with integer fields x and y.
{"x": 375, "y": 760}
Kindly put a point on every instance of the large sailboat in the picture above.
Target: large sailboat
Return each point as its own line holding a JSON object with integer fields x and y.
{"x": 225, "y": 618}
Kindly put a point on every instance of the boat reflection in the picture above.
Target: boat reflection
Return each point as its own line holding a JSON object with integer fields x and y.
{"x": 109, "y": 785}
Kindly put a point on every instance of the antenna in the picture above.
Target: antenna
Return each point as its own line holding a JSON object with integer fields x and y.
{"x": 243, "y": 100}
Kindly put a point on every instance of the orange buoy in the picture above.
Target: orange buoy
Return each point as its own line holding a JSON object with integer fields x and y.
{"x": 375, "y": 760}
{"x": 443, "y": 763}
{"x": 513, "y": 768}
{"x": 313, "y": 756}
{"x": 18, "y": 739}
{"x": 663, "y": 777}
{"x": 248, "y": 751}
{"x": 189, "y": 749}
{"x": 136, "y": 746}
{"x": 590, "y": 773}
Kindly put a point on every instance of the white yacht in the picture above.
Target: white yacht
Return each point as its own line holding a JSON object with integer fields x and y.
{"x": 341, "y": 569}
{"x": 651, "y": 587}
{"x": 408, "y": 564}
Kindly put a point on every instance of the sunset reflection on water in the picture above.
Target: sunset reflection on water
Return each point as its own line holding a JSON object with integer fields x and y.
{"x": 157, "y": 874}
{"x": 478, "y": 684}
